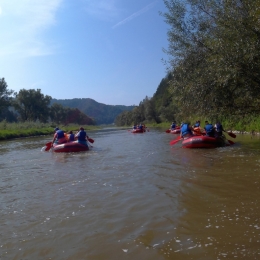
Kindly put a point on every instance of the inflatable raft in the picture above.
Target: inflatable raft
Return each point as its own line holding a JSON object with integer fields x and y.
{"x": 137, "y": 131}
{"x": 204, "y": 142}
{"x": 176, "y": 131}
{"x": 70, "y": 147}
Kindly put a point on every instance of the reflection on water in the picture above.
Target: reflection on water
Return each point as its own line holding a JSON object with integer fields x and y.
{"x": 133, "y": 196}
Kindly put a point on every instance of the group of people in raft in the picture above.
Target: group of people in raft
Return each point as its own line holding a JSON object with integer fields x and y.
{"x": 60, "y": 137}
{"x": 141, "y": 127}
{"x": 187, "y": 131}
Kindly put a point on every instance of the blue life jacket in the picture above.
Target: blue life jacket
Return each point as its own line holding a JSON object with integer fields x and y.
{"x": 197, "y": 124}
{"x": 219, "y": 128}
{"x": 140, "y": 127}
{"x": 185, "y": 130}
{"x": 82, "y": 135}
{"x": 71, "y": 138}
{"x": 60, "y": 134}
{"x": 209, "y": 130}
{"x": 173, "y": 126}
{"x": 134, "y": 127}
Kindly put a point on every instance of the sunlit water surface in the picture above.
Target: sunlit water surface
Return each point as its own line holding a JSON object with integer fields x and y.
{"x": 132, "y": 196}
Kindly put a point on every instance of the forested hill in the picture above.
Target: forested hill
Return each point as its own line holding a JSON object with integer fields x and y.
{"x": 102, "y": 114}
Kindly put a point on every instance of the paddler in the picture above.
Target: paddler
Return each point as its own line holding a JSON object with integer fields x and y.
{"x": 82, "y": 136}
{"x": 59, "y": 136}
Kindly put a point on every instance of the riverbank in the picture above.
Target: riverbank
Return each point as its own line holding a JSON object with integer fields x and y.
{"x": 18, "y": 130}
{"x": 253, "y": 127}
{"x": 27, "y": 129}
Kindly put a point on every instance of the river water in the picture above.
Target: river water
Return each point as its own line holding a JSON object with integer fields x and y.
{"x": 132, "y": 196}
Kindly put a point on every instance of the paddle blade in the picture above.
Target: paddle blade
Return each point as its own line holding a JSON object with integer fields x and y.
{"x": 231, "y": 134}
{"x": 168, "y": 131}
{"x": 48, "y": 146}
{"x": 175, "y": 140}
{"x": 231, "y": 142}
{"x": 91, "y": 140}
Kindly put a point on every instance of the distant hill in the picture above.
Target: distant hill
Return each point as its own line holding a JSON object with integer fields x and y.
{"x": 102, "y": 114}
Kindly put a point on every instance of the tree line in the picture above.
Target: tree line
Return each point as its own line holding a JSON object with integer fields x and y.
{"x": 32, "y": 105}
{"x": 214, "y": 60}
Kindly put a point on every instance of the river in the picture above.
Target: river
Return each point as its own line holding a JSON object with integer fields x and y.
{"x": 132, "y": 196}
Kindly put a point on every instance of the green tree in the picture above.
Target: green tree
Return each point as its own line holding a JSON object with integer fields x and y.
{"x": 124, "y": 119}
{"x": 5, "y": 95}
{"x": 66, "y": 115}
{"x": 74, "y": 115}
{"x": 58, "y": 113}
{"x": 32, "y": 105}
{"x": 214, "y": 56}
{"x": 8, "y": 115}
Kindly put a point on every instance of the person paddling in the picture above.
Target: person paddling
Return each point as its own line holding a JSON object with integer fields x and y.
{"x": 209, "y": 129}
{"x": 219, "y": 129}
{"x": 197, "y": 124}
{"x": 196, "y": 128}
{"x": 140, "y": 126}
{"x": 173, "y": 125}
{"x": 82, "y": 136}
{"x": 71, "y": 137}
{"x": 186, "y": 130}
{"x": 59, "y": 137}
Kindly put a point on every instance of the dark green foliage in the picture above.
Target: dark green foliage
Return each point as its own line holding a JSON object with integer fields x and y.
{"x": 65, "y": 115}
{"x": 145, "y": 112}
{"x": 214, "y": 50}
{"x": 5, "y": 95}
{"x": 8, "y": 115}
{"x": 125, "y": 118}
{"x": 32, "y": 105}
{"x": 57, "y": 113}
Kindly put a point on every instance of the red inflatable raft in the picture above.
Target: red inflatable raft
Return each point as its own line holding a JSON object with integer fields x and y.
{"x": 137, "y": 131}
{"x": 204, "y": 142}
{"x": 69, "y": 147}
{"x": 176, "y": 131}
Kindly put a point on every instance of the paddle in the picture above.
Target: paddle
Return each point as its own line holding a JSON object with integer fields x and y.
{"x": 91, "y": 140}
{"x": 48, "y": 146}
{"x": 175, "y": 140}
{"x": 89, "y": 144}
{"x": 231, "y": 134}
{"x": 231, "y": 142}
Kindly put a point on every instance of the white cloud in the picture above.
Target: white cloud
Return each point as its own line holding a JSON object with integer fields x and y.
{"x": 22, "y": 23}
{"x": 134, "y": 15}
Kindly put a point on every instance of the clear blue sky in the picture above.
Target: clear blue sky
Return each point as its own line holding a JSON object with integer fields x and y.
{"x": 107, "y": 50}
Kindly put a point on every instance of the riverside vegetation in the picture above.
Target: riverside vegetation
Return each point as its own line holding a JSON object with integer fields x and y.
{"x": 26, "y": 129}
{"x": 213, "y": 66}
{"x": 28, "y": 113}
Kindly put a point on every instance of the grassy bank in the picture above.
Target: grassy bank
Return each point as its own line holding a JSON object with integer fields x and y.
{"x": 17, "y": 130}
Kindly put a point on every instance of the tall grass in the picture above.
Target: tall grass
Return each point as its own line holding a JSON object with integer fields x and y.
{"x": 25, "y": 129}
